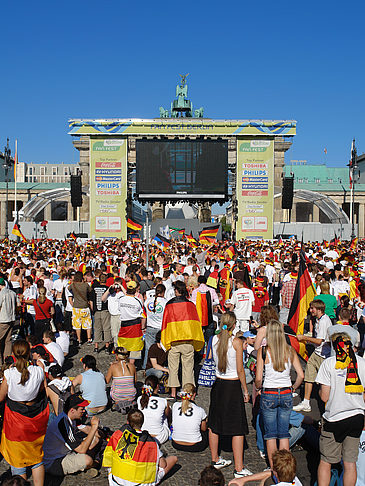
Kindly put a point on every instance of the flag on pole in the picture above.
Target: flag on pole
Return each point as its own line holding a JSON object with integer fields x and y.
{"x": 133, "y": 226}
{"x": 303, "y": 295}
{"x": 191, "y": 240}
{"x": 135, "y": 238}
{"x": 354, "y": 244}
{"x": 16, "y": 231}
{"x": 73, "y": 236}
{"x": 210, "y": 232}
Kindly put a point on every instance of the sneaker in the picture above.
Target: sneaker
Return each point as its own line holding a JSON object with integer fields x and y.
{"x": 221, "y": 463}
{"x": 241, "y": 474}
{"x": 301, "y": 407}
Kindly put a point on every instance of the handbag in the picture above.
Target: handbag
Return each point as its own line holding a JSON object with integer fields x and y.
{"x": 207, "y": 374}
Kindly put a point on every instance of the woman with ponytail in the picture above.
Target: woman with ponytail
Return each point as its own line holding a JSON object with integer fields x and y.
{"x": 189, "y": 422}
{"x": 44, "y": 311}
{"x": 155, "y": 409}
{"x": 122, "y": 374}
{"x": 227, "y": 415}
{"x": 22, "y": 440}
{"x": 155, "y": 307}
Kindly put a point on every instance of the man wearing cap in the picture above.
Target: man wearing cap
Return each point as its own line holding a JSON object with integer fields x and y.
{"x": 66, "y": 449}
{"x": 7, "y": 319}
{"x": 342, "y": 380}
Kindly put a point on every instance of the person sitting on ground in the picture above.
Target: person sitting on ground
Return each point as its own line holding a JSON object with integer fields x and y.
{"x": 157, "y": 358}
{"x": 49, "y": 340}
{"x": 122, "y": 374}
{"x": 284, "y": 469}
{"x": 155, "y": 409}
{"x": 66, "y": 449}
{"x": 189, "y": 422}
{"x": 59, "y": 388}
{"x": 92, "y": 386}
{"x": 146, "y": 466}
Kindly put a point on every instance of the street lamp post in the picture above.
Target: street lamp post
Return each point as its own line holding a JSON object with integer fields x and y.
{"x": 7, "y": 164}
{"x": 353, "y": 167}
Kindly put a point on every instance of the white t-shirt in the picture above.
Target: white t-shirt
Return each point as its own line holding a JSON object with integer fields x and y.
{"x": 321, "y": 332}
{"x": 68, "y": 294}
{"x": 154, "y": 414}
{"x": 130, "y": 307}
{"x": 59, "y": 285}
{"x": 270, "y": 272}
{"x": 30, "y": 293}
{"x": 56, "y": 351}
{"x": 296, "y": 482}
{"x": 113, "y": 303}
{"x": 186, "y": 427}
{"x": 27, "y": 392}
{"x": 63, "y": 340}
{"x": 242, "y": 299}
{"x": 341, "y": 405}
{"x": 155, "y": 312}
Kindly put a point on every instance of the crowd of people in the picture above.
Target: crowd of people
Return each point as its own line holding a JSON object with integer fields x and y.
{"x": 227, "y": 303}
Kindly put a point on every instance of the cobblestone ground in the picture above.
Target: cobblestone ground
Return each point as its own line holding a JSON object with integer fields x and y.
{"x": 189, "y": 465}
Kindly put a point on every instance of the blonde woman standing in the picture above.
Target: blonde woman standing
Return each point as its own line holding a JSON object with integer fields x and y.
{"x": 227, "y": 415}
{"x": 276, "y": 389}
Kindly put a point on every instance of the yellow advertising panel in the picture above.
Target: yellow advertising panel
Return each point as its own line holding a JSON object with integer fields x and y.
{"x": 255, "y": 188}
{"x": 108, "y": 187}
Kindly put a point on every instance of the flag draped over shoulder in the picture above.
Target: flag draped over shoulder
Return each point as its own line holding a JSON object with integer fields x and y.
{"x": 303, "y": 295}
{"x": 17, "y": 232}
{"x": 132, "y": 457}
{"x": 23, "y": 432}
{"x": 133, "y": 226}
{"x": 204, "y": 307}
{"x": 181, "y": 323}
{"x": 130, "y": 335}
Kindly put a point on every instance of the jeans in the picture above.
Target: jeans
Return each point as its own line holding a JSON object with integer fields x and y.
{"x": 275, "y": 409}
{"x": 149, "y": 339}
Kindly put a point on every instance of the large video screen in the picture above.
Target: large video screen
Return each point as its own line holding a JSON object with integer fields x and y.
{"x": 182, "y": 169}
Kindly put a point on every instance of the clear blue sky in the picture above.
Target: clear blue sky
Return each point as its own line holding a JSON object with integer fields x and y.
{"x": 258, "y": 60}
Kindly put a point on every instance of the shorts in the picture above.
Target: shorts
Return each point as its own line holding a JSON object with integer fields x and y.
{"x": 276, "y": 406}
{"x": 18, "y": 471}
{"x": 69, "y": 464}
{"x": 81, "y": 318}
{"x": 332, "y": 452}
{"x": 313, "y": 364}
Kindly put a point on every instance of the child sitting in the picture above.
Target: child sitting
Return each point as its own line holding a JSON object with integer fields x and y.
{"x": 155, "y": 409}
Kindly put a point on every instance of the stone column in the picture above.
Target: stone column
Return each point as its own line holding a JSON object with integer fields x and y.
{"x": 158, "y": 211}
{"x": 315, "y": 213}
{"x": 2, "y": 218}
{"x": 70, "y": 211}
{"x": 83, "y": 146}
{"x": 205, "y": 213}
{"x": 48, "y": 212}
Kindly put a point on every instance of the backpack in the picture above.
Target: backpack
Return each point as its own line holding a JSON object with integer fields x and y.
{"x": 62, "y": 397}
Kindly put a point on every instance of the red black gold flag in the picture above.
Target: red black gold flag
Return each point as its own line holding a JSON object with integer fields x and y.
{"x": 133, "y": 226}
{"x": 231, "y": 251}
{"x": 130, "y": 335}
{"x": 292, "y": 340}
{"x": 181, "y": 323}
{"x": 224, "y": 284}
{"x": 191, "y": 240}
{"x": 132, "y": 457}
{"x": 23, "y": 432}
{"x": 303, "y": 295}
{"x": 16, "y": 231}
{"x": 204, "y": 307}
{"x": 354, "y": 244}
{"x": 210, "y": 231}
{"x": 73, "y": 236}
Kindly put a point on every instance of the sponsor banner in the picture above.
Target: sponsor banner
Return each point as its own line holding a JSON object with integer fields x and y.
{"x": 110, "y": 128}
{"x": 255, "y": 188}
{"x": 108, "y": 191}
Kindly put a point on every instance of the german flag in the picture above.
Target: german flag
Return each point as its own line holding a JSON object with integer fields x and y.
{"x": 73, "y": 236}
{"x": 135, "y": 238}
{"x": 132, "y": 457}
{"x": 212, "y": 280}
{"x": 354, "y": 243}
{"x": 16, "y": 231}
{"x": 130, "y": 335}
{"x": 192, "y": 241}
{"x": 204, "y": 308}
{"x": 292, "y": 340}
{"x": 224, "y": 283}
{"x": 210, "y": 232}
{"x": 231, "y": 251}
{"x": 133, "y": 226}
{"x": 181, "y": 323}
{"x": 23, "y": 432}
{"x": 303, "y": 295}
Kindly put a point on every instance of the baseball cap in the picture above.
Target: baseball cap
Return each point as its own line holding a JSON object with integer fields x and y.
{"x": 77, "y": 400}
{"x": 131, "y": 284}
{"x": 249, "y": 334}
